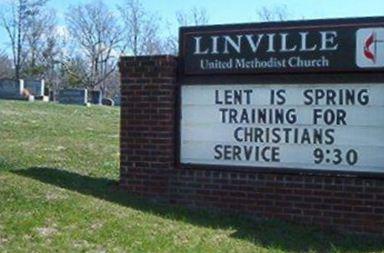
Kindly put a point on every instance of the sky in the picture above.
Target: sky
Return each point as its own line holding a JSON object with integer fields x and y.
{"x": 239, "y": 11}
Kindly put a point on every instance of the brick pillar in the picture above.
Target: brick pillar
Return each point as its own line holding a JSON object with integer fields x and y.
{"x": 148, "y": 112}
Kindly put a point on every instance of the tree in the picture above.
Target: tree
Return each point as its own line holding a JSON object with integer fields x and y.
{"x": 6, "y": 70}
{"x": 142, "y": 29}
{"x": 75, "y": 72}
{"x": 52, "y": 55}
{"x": 99, "y": 38}
{"x": 277, "y": 13}
{"x": 39, "y": 36}
{"x": 193, "y": 17}
{"x": 15, "y": 21}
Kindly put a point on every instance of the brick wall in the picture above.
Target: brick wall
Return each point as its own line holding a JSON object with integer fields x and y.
{"x": 148, "y": 101}
{"x": 343, "y": 203}
{"x": 148, "y": 165}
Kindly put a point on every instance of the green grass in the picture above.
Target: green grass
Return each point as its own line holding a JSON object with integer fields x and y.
{"x": 58, "y": 192}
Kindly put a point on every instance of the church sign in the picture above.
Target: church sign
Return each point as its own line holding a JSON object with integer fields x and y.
{"x": 326, "y": 46}
{"x": 305, "y": 126}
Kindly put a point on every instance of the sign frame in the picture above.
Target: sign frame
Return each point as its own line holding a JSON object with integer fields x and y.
{"x": 286, "y": 77}
{"x": 320, "y": 24}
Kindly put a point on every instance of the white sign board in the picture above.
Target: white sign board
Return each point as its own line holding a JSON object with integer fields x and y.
{"x": 307, "y": 126}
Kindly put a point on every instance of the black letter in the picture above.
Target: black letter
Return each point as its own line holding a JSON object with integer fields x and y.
{"x": 217, "y": 98}
{"x": 218, "y": 154}
{"x": 308, "y": 97}
{"x": 281, "y": 97}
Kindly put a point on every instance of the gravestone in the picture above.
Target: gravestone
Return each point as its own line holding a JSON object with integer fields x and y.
{"x": 95, "y": 97}
{"x": 73, "y": 96}
{"x": 117, "y": 100}
{"x": 11, "y": 89}
{"x": 35, "y": 87}
{"x": 52, "y": 96}
{"x": 108, "y": 102}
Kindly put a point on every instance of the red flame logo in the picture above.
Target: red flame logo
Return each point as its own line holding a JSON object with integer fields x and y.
{"x": 367, "y": 47}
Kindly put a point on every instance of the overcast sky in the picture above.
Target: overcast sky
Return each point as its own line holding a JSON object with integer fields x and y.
{"x": 238, "y": 11}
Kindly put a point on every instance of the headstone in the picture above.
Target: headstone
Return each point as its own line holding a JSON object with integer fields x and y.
{"x": 108, "y": 102}
{"x": 95, "y": 97}
{"x": 31, "y": 98}
{"x": 117, "y": 100}
{"x": 42, "y": 98}
{"x": 11, "y": 89}
{"x": 73, "y": 96}
{"x": 52, "y": 96}
{"x": 35, "y": 87}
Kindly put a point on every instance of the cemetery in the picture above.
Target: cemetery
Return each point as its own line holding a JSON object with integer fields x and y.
{"x": 31, "y": 89}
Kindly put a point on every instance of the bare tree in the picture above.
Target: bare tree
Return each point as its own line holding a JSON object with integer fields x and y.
{"x": 113, "y": 85}
{"x": 142, "y": 29}
{"x": 39, "y": 34}
{"x": 95, "y": 30}
{"x": 15, "y": 21}
{"x": 171, "y": 44}
{"x": 193, "y": 17}
{"x": 52, "y": 56}
{"x": 276, "y": 13}
{"x": 6, "y": 71}
{"x": 74, "y": 72}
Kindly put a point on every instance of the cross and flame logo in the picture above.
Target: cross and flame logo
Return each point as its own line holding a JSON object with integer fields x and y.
{"x": 370, "y": 47}
{"x": 368, "y": 52}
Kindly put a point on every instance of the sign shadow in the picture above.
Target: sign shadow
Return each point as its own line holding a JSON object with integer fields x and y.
{"x": 264, "y": 233}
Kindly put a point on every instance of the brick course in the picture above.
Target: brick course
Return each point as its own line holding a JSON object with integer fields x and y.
{"x": 148, "y": 167}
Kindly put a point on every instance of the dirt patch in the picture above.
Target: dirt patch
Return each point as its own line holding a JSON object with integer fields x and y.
{"x": 96, "y": 226}
{"x": 3, "y": 241}
{"x": 46, "y": 231}
{"x": 52, "y": 196}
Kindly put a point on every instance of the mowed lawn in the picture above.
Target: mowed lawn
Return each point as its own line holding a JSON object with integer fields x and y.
{"x": 59, "y": 167}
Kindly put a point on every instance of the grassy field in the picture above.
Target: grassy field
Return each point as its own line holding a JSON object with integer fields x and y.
{"x": 58, "y": 176}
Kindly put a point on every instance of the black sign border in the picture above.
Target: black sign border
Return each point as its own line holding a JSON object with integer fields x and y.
{"x": 284, "y": 77}
{"x": 269, "y": 26}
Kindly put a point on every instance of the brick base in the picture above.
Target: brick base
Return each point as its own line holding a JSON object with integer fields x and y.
{"x": 347, "y": 204}
{"x": 148, "y": 167}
